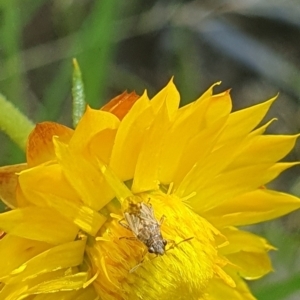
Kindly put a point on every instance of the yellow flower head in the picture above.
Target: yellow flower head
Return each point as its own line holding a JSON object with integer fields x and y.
{"x": 91, "y": 203}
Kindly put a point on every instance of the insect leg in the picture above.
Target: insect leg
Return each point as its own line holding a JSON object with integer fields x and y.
{"x": 162, "y": 220}
{"x": 134, "y": 268}
{"x": 140, "y": 263}
{"x": 125, "y": 225}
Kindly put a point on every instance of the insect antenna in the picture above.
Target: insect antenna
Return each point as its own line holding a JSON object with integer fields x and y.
{"x": 176, "y": 244}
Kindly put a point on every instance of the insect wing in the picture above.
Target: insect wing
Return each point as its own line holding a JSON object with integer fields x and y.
{"x": 133, "y": 222}
{"x": 147, "y": 214}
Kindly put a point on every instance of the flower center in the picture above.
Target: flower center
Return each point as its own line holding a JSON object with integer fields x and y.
{"x": 128, "y": 271}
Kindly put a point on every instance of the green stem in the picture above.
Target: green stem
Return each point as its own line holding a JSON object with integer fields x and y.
{"x": 16, "y": 125}
{"x": 79, "y": 104}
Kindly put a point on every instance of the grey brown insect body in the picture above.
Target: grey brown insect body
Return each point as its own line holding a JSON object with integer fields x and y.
{"x": 151, "y": 236}
{"x": 142, "y": 222}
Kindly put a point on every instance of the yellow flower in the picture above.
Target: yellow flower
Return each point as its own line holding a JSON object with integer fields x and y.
{"x": 201, "y": 166}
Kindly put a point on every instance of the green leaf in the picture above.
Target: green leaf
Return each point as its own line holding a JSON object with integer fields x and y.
{"x": 79, "y": 104}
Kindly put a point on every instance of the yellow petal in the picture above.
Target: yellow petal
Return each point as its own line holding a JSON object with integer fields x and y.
{"x": 219, "y": 106}
{"x": 81, "y": 294}
{"x": 239, "y": 240}
{"x": 58, "y": 197}
{"x": 16, "y": 251}
{"x": 210, "y": 164}
{"x": 106, "y": 139}
{"x": 40, "y": 146}
{"x": 253, "y": 207}
{"x": 8, "y": 183}
{"x": 129, "y": 138}
{"x": 46, "y": 178}
{"x": 86, "y": 180}
{"x": 61, "y": 283}
{"x": 202, "y": 101}
{"x": 248, "y": 252}
{"x": 233, "y": 183}
{"x": 121, "y": 191}
{"x": 40, "y": 225}
{"x": 199, "y": 112}
{"x": 84, "y": 217}
{"x": 45, "y": 283}
{"x": 251, "y": 265}
{"x": 168, "y": 96}
{"x": 261, "y": 129}
{"x": 267, "y": 148}
{"x": 197, "y": 152}
{"x": 207, "y": 167}
{"x": 185, "y": 130}
{"x": 243, "y": 121}
{"x": 92, "y": 122}
{"x": 219, "y": 290}
{"x": 56, "y": 258}
{"x": 146, "y": 174}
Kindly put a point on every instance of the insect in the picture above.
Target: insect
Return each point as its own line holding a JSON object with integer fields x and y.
{"x": 142, "y": 223}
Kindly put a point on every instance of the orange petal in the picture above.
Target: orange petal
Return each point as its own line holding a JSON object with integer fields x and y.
{"x": 120, "y": 105}
{"x": 8, "y": 183}
{"x": 40, "y": 146}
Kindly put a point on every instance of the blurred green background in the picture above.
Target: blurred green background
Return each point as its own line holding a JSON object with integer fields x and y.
{"x": 252, "y": 46}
